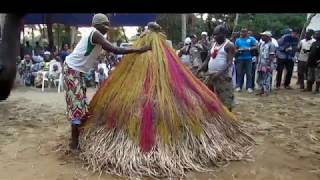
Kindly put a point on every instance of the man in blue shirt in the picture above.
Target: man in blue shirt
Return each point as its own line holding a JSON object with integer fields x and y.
{"x": 244, "y": 45}
{"x": 64, "y": 52}
{"x": 288, "y": 44}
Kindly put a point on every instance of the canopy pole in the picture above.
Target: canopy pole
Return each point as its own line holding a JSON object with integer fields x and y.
{"x": 124, "y": 33}
{"x": 58, "y": 25}
{"x": 184, "y": 26}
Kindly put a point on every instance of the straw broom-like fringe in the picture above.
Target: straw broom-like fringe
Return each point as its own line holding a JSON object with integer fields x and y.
{"x": 114, "y": 152}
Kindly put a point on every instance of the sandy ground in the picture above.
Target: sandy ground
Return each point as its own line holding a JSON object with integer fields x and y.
{"x": 286, "y": 126}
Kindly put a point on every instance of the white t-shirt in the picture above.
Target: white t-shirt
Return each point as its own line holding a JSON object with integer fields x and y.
{"x": 96, "y": 76}
{"x": 305, "y": 45}
{"x": 52, "y": 63}
{"x": 219, "y": 63}
{"x": 85, "y": 54}
{"x": 104, "y": 67}
{"x": 273, "y": 40}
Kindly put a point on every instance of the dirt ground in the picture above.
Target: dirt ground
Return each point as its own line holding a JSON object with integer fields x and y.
{"x": 285, "y": 125}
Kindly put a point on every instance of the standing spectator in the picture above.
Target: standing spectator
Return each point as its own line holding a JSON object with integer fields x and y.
{"x": 314, "y": 64}
{"x": 179, "y": 47}
{"x": 21, "y": 51}
{"x": 38, "y": 50}
{"x": 264, "y": 63}
{"x": 304, "y": 49}
{"x": 96, "y": 77}
{"x": 274, "y": 63}
{"x": 184, "y": 53}
{"x": 286, "y": 51}
{"x": 195, "y": 53}
{"x": 64, "y": 52}
{"x": 219, "y": 67}
{"x": 101, "y": 76}
{"x": 244, "y": 45}
{"x": 27, "y": 49}
{"x": 102, "y": 65}
{"x": 234, "y": 37}
{"x": 254, "y": 53}
{"x": 205, "y": 44}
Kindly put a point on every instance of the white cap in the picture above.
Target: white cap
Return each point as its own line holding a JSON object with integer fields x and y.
{"x": 204, "y": 33}
{"x": 267, "y": 33}
{"x": 46, "y": 53}
{"x": 187, "y": 40}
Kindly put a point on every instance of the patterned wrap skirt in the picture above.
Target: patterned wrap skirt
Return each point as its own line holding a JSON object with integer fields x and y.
{"x": 76, "y": 99}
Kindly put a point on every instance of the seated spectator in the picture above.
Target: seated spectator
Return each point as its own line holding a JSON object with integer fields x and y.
{"x": 64, "y": 52}
{"x": 39, "y": 75}
{"x": 54, "y": 62}
{"x": 47, "y": 59}
{"x": 54, "y": 75}
{"x": 55, "y": 69}
{"x": 25, "y": 70}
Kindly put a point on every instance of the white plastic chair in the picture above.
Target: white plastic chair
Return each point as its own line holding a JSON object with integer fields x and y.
{"x": 60, "y": 81}
{"x": 60, "y": 85}
{"x": 44, "y": 78}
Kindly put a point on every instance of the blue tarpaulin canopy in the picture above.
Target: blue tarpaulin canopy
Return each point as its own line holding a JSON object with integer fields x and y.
{"x": 84, "y": 19}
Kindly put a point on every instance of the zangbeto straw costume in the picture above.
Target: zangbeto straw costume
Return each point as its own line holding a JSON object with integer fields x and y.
{"x": 152, "y": 117}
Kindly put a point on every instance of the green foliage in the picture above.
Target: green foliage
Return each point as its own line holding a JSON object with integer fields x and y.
{"x": 274, "y": 22}
{"x": 171, "y": 25}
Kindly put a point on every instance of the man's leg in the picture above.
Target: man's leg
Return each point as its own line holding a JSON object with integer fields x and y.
{"x": 76, "y": 104}
{"x": 289, "y": 64}
{"x": 240, "y": 74}
{"x": 280, "y": 66}
{"x": 311, "y": 78}
{"x": 74, "y": 136}
{"x": 301, "y": 74}
{"x": 317, "y": 78}
{"x": 224, "y": 90}
{"x": 236, "y": 62}
{"x": 253, "y": 74}
{"x": 248, "y": 71}
{"x": 304, "y": 72}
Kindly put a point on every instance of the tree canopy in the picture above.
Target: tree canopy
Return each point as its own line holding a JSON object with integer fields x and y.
{"x": 196, "y": 23}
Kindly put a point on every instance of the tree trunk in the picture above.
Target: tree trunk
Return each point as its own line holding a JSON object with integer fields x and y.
{"x": 73, "y": 33}
{"x": 50, "y": 33}
{"x": 9, "y": 51}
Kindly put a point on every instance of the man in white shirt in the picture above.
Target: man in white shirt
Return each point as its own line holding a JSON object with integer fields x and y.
{"x": 79, "y": 62}
{"x": 55, "y": 70}
{"x": 103, "y": 65}
{"x": 304, "y": 49}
